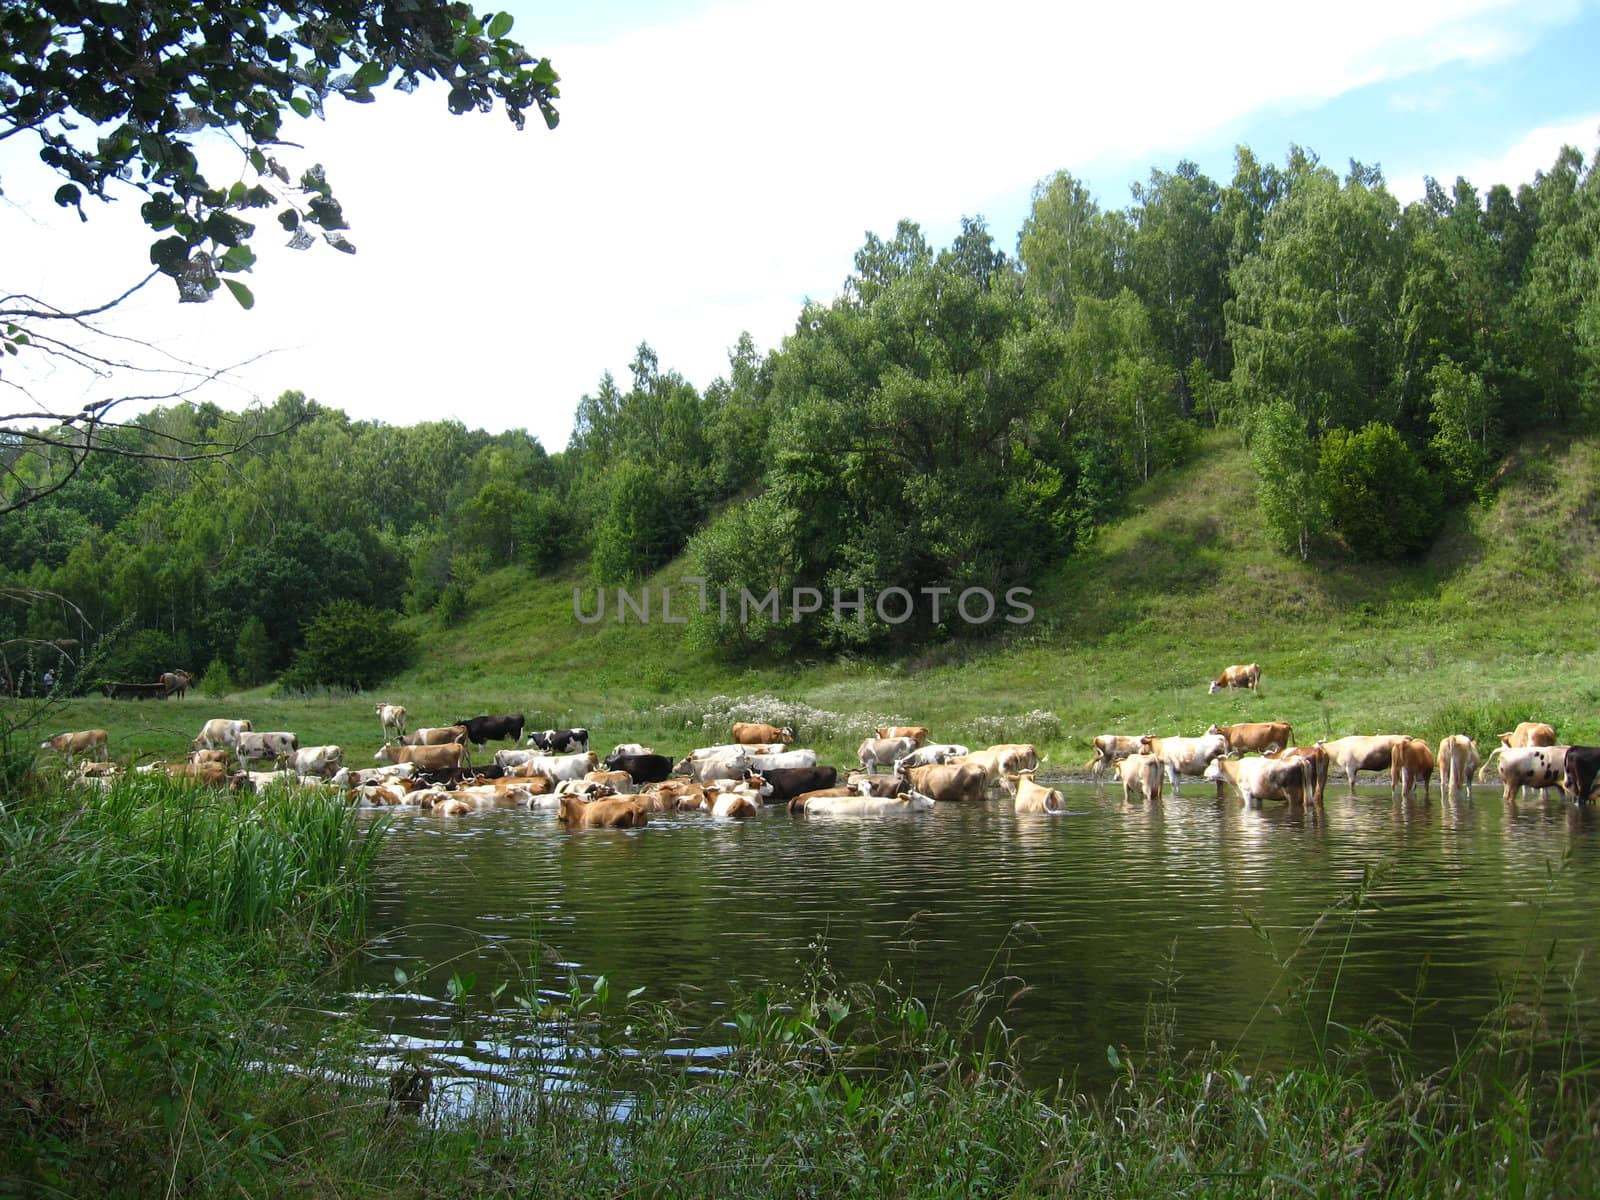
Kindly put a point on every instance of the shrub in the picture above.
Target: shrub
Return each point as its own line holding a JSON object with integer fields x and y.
{"x": 1379, "y": 497}
{"x": 349, "y": 645}
{"x": 218, "y": 680}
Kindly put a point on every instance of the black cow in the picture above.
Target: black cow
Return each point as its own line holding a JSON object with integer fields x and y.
{"x": 562, "y": 741}
{"x": 1583, "y": 766}
{"x": 642, "y": 768}
{"x": 789, "y": 782}
{"x": 481, "y": 730}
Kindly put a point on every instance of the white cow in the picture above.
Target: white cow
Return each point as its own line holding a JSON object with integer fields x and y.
{"x": 786, "y": 760}
{"x": 868, "y": 806}
{"x": 321, "y": 761}
{"x": 1185, "y": 755}
{"x": 1361, "y": 753}
{"x": 935, "y": 753}
{"x": 875, "y": 752}
{"x": 220, "y": 733}
{"x": 393, "y": 719}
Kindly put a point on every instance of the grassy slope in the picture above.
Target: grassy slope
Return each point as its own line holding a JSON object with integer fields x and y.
{"x": 1498, "y": 623}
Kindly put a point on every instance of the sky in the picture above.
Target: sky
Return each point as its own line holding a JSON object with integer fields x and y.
{"x": 718, "y": 164}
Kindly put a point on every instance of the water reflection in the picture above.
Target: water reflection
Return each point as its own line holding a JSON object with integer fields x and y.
{"x": 1194, "y": 903}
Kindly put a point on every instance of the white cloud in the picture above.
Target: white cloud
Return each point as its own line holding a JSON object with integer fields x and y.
{"x": 1514, "y": 165}
{"x": 709, "y": 174}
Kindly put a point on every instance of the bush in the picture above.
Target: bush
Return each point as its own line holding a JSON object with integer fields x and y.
{"x": 452, "y": 605}
{"x": 1379, "y": 498}
{"x": 349, "y": 645}
{"x": 218, "y": 680}
{"x": 138, "y": 657}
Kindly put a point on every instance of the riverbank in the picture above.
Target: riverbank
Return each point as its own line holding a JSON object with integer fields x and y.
{"x": 167, "y": 961}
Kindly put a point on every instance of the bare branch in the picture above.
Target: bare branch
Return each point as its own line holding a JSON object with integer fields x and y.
{"x": 48, "y": 312}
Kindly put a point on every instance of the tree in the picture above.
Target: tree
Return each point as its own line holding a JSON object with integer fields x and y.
{"x": 349, "y": 645}
{"x": 1379, "y": 497}
{"x": 118, "y": 98}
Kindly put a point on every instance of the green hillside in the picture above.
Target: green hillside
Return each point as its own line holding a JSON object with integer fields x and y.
{"x": 1498, "y": 622}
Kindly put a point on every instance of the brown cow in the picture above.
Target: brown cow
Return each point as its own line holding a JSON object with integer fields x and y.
{"x": 612, "y": 814}
{"x": 1110, "y": 749}
{"x": 749, "y": 733}
{"x": 1529, "y": 733}
{"x": 918, "y": 733}
{"x": 429, "y": 758}
{"x": 1458, "y": 758}
{"x": 1141, "y": 774}
{"x": 1412, "y": 758}
{"x": 1237, "y": 677}
{"x": 1318, "y": 758}
{"x": 83, "y": 741}
{"x": 1031, "y": 797}
{"x": 948, "y": 781}
{"x": 439, "y": 735}
{"x": 1362, "y": 753}
{"x": 1259, "y": 737}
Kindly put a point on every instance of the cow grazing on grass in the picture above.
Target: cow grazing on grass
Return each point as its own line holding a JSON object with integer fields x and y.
{"x": 1457, "y": 758}
{"x": 89, "y": 742}
{"x": 1248, "y": 676}
{"x": 1412, "y": 759}
{"x": 747, "y": 733}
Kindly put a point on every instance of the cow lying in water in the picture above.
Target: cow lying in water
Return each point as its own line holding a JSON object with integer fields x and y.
{"x": 613, "y": 814}
{"x": 1030, "y": 797}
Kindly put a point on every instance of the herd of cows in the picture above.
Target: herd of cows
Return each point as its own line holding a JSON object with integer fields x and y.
{"x": 900, "y": 768}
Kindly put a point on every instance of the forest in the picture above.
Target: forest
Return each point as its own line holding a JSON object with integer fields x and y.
{"x": 956, "y": 417}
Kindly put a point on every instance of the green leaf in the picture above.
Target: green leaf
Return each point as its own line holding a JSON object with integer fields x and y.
{"x": 68, "y": 195}
{"x": 300, "y": 105}
{"x": 369, "y": 74}
{"x": 1113, "y": 1058}
{"x": 500, "y": 26}
{"x": 241, "y": 294}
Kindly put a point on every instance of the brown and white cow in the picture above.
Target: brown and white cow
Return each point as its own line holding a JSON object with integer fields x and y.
{"x": 271, "y": 746}
{"x": 1412, "y": 759}
{"x": 81, "y": 741}
{"x": 1110, "y": 749}
{"x": 1248, "y": 676}
{"x": 1529, "y": 733}
{"x": 881, "y": 752}
{"x": 1185, "y": 755}
{"x": 439, "y": 735}
{"x": 1458, "y": 758}
{"x": 220, "y": 732}
{"x": 1257, "y": 778}
{"x": 1319, "y": 760}
{"x": 747, "y": 733}
{"x": 1141, "y": 776}
{"x": 1256, "y": 737}
{"x": 1353, "y": 755}
{"x": 819, "y": 805}
{"x": 393, "y": 718}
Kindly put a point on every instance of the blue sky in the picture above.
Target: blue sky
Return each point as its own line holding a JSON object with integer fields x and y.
{"x": 717, "y": 164}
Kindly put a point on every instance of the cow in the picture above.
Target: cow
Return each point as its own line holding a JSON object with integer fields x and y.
{"x": 733, "y": 749}
{"x": 560, "y": 767}
{"x": 272, "y": 746}
{"x": 747, "y": 733}
{"x": 618, "y": 781}
{"x": 631, "y": 748}
{"x": 1259, "y": 737}
{"x": 1528, "y": 766}
{"x": 947, "y": 781}
{"x": 1237, "y": 677}
{"x": 82, "y": 741}
{"x": 706, "y": 770}
{"x": 1031, "y": 797}
{"x": 1259, "y": 779}
{"x": 641, "y": 768}
{"x": 1529, "y": 733}
{"x": 322, "y": 761}
{"x": 1185, "y": 755}
{"x": 560, "y": 741}
{"x": 614, "y": 813}
{"x": 829, "y": 803}
{"x": 393, "y": 718}
{"x": 918, "y": 733}
{"x": 1141, "y": 776}
{"x": 1317, "y": 756}
{"x": 734, "y": 804}
{"x": 789, "y": 759}
{"x": 789, "y": 782}
{"x": 802, "y": 803}
{"x": 1017, "y": 756}
{"x": 1412, "y": 759}
{"x": 1110, "y": 748}
{"x": 219, "y": 732}
{"x": 936, "y": 752}
{"x": 1458, "y": 759}
{"x": 883, "y": 786}
{"x": 452, "y": 755}
{"x": 221, "y": 757}
{"x": 1580, "y": 771}
{"x": 483, "y": 729}
{"x": 1362, "y": 753}
{"x": 201, "y": 774}
{"x": 438, "y": 735}
{"x": 176, "y": 683}
{"x": 876, "y": 752}
{"x": 992, "y": 762}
